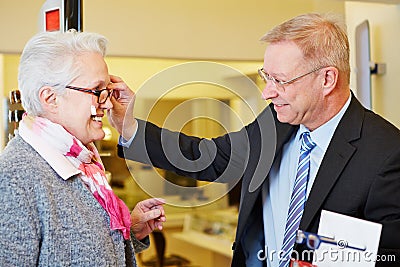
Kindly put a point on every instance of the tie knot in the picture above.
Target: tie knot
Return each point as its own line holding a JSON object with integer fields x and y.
{"x": 306, "y": 143}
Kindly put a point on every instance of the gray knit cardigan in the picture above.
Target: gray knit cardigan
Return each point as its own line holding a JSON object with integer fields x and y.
{"x": 48, "y": 221}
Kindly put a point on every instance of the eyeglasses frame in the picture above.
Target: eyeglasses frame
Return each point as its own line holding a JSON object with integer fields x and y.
{"x": 322, "y": 239}
{"x": 267, "y": 77}
{"x": 93, "y": 92}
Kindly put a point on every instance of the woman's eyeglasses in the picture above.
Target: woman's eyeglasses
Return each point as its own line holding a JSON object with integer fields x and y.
{"x": 102, "y": 95}
{"x": 313, "y": 241}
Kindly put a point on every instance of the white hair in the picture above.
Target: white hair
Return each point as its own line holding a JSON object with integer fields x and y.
{"x": 48, "y": 59}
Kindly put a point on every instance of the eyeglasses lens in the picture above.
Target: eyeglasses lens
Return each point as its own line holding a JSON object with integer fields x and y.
{"x": 104, "y": 94}
{"x": 313, "y": 242}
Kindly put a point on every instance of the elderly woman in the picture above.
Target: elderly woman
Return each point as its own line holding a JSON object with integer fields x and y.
{"x": 57, "y": 208}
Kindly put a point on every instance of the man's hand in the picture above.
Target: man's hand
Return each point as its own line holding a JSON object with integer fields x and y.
{"x": 121, "y": 115}
{"x": 147, "y": 215}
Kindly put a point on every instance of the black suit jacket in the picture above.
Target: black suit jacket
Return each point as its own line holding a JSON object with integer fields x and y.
{"x": 359, "y": 175}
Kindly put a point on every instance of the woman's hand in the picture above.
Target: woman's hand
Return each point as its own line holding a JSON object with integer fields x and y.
{"x": 147, "y": 215}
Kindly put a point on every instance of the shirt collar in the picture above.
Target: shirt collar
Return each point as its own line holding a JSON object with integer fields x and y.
{"x": 322, "y": 135}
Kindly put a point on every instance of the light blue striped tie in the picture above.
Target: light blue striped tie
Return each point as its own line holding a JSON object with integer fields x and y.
{"x": 298, "y": 198}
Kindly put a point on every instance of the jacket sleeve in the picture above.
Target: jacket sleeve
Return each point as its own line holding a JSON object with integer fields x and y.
{"x": 140, "y": 245}
{"x": 199, "y": 158}
{"x": 222, "y": 159}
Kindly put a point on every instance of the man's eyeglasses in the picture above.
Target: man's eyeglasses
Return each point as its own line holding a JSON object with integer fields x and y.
{"x": 313, "y": 241}
{"x": 279, "y": 84}
{"x": 102, "y": 95}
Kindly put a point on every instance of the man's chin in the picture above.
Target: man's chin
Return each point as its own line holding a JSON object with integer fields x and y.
{"x": 285, "y": 119}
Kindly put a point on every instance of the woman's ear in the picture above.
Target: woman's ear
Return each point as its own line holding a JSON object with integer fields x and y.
{"x": 48, "y": 98}
{"x": 330, "y": 79}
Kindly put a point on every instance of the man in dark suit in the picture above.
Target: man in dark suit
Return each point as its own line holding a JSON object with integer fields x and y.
{"x": 353, "y": 167}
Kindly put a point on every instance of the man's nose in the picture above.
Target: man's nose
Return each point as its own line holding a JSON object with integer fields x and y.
{"x": 269, "y": 91}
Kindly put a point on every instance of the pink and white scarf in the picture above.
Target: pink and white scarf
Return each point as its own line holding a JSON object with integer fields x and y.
{"x": 58, "y": 147}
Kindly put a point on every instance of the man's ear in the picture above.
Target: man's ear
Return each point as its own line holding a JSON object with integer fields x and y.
{"x": 48, "y": 98}
{"x": 330, "y": 80}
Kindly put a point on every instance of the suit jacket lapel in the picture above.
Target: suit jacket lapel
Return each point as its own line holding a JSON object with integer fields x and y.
{"x": 339, "y": 152}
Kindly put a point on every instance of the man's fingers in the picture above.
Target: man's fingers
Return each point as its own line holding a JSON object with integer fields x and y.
{"x": 158, "y": 225}
{"x": 115, "y": 79}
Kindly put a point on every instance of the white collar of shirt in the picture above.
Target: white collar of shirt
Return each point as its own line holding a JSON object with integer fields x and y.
{"x": 60, "y": 164}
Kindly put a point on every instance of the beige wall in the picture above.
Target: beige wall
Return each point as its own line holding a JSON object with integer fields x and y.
{"x": 384, "y": 21}
{"x": 10, "y": 70}
{"x": 205, "y": 29}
